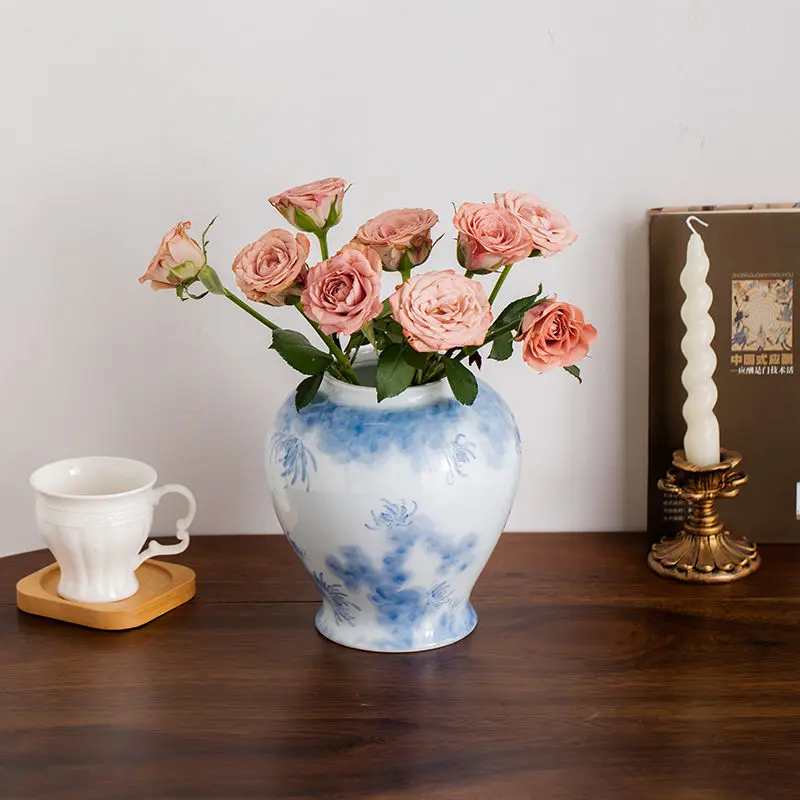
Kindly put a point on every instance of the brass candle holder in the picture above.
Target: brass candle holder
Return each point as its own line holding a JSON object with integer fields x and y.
{"x": 704, "y": 552}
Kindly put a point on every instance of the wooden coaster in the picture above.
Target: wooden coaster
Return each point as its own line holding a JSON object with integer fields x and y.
{"x": 162, "y": 587}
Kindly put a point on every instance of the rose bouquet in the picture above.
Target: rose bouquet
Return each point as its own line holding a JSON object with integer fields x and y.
{"x": 429, "y": 326}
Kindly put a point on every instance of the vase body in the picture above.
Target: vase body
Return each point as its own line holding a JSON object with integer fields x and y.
{"x": 394, "y": 508}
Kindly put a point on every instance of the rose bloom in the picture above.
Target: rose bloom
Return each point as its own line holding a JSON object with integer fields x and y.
{"x": 270, "y": 267}
{"x": 313, "y": 199}
{"x": 344, "y": 292}
{"x": 440, "y": 310}
{"x": 554, "y": 334}
{"x": 402, "y": 230}
{"x": 176, "y": 248}
{"x": 550, "y": 229}
{"x": 490, "y": 237}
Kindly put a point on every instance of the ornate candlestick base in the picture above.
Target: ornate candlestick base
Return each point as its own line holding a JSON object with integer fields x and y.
{"x": 704, "y": 552}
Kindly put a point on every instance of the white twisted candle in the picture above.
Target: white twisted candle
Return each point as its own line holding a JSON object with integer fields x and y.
{"x": 701, "y": 442}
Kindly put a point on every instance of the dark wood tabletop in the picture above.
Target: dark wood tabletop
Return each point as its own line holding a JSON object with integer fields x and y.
{"x": 587, "y": 677}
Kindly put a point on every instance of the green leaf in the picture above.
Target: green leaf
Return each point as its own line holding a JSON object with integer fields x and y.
{"x": 394, "y": 372}
{"x": 463, "y": 383}
{"x": 386, "y": 310}
{"x": 387, "y": 331}
{"x": 304, "y": 223}
{"x": 575, "y": 371}
{"x": 379, "y": 331}
{"x": 368, "y": 332}
{"x": 516, "y": 310}
{"x": 307, "y": 390}
{"x": 502, "y": 347}
{"x": 415, "y": 359}
{"x": 394, "y": 332}
{"x": 356, "y": 340}
{"x": 299, "y": 353}
{"x": 209, "y": 278}
{"x": 534, "y": 253}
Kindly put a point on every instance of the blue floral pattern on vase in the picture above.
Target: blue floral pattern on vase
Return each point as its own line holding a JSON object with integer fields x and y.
{"x": 367, "y": 435}
{"x": 401, "y": 607}
{"x": 295, "y": 458}
{"x": 459, "y": 454}
{"x": 442, "y": 595}
{"x": 392, "y": 515}
{"x": 337, "y": 598}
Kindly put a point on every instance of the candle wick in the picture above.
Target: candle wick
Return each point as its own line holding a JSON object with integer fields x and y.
{"x": 690, "y": 220}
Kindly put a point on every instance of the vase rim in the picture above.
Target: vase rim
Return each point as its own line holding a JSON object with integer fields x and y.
{"x": 367, "y": 397}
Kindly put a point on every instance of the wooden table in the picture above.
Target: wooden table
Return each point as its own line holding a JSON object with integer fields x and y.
{"x": 588, "y": 677}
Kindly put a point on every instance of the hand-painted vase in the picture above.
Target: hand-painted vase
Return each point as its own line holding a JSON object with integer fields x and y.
{"x": 394, "y": 508}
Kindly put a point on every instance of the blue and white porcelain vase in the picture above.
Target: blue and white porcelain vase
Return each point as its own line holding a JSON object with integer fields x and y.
{"x": 394, "y": 508}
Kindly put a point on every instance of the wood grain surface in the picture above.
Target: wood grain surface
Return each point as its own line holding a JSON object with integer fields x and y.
{"x": 587, "y": 677}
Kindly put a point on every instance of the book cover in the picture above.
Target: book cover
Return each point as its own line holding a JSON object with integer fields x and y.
{"x": 754, "y": 253}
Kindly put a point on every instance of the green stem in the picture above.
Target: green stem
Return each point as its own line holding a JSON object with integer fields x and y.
{"x": 430, "y": 368}
{"x": 500, "y": 281}
{"x": 405, "y": 274}
{"x": 323, "y": 244}
{"x": 344, "y": 363}
{"x": 353, "y": 345}
{"x": 251, "y": 311}
{"x": 469, "y": 274}
{"x": 495, "y": 334}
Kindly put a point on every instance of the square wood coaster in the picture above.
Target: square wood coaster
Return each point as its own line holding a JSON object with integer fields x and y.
{"x": 162, "y": 587}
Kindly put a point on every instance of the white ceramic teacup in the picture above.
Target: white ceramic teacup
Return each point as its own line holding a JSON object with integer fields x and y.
{"x": 95, "y": 514}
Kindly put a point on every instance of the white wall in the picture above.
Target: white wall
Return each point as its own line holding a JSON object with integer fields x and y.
{"x": 120, "y": 118}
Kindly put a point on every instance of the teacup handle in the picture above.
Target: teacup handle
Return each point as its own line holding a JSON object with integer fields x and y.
{"x": 182, "y": 532}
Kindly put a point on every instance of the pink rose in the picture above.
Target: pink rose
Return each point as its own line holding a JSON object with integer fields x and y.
{"x": 315, "y": 202}
{"x": 555, "y": 335}
{"x": 179, "y": 258}
{"x": 269, "y": 268}
{"x": 440, "y": 310}
{"x": 489, "y": 237}
{"x": 344, "y": 292}
{"x": 400, "y": 231}
{"x": 550, "y": 229}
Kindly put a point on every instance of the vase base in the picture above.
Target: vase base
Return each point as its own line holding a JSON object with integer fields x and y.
{"x": 407, "y": 642}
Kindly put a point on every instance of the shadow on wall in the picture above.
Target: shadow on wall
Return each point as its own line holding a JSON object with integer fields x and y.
{"x": 636, "y": 360}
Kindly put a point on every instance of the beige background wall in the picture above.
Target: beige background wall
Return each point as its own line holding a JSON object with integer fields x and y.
{"x": 121, "y": 118}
